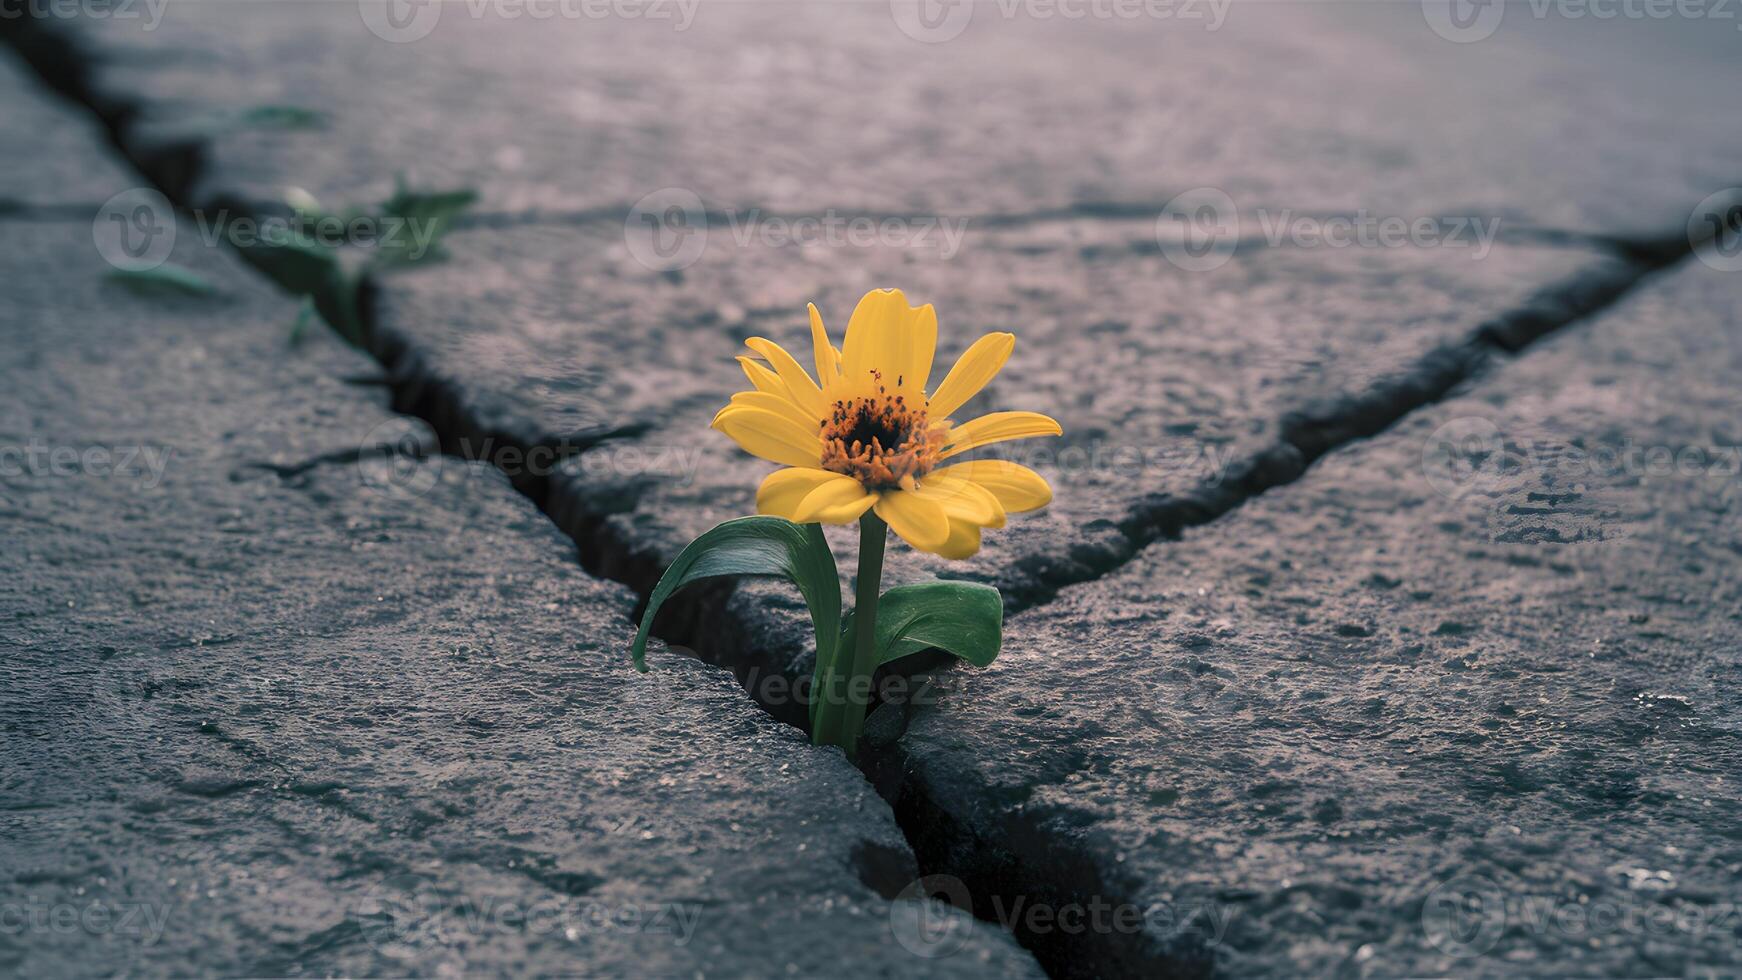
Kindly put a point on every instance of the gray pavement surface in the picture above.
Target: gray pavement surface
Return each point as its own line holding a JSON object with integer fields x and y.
{"x": 1551, "y": 118}
{"x": 1330, "y": 732}
{"x": 1462, "y": 701}
{"x": 283, "y": 698}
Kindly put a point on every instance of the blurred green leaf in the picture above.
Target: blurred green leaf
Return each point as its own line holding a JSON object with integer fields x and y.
{"x": 280, "y": 117}
{"x": 165, "y": 278}
{"x": 414, "y": 223}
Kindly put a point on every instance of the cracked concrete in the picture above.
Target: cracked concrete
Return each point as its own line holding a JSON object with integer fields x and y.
{"x": 1401, "y": 683}
{"x": 1321, "y": 107}
{"x": 276, "y": 704}
{"x": 546, "y": 332}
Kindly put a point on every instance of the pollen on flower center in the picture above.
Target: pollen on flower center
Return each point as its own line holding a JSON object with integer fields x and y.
{"x": 882, "y": 442}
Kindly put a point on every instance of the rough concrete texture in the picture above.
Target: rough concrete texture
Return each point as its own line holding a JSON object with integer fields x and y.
{"x": 67, "y": 180}
{"x": 38, "y": 125}
{"x": 1404, "y": 718}
{"x": 801, "y": 106}
{"x": 1265, "y": 819}
{"x": 278, "y": 704}
{"x": 1172, "y": 386}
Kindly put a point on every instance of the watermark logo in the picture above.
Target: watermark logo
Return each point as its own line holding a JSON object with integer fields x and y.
{"x": 150, "y": 11}
{"x": 400, "y": 21}
{"x": 1201, "y": 229}
{"x": 1468, "y": 21}
{"x": 135, "y": 230}
{"x": 396, "y": 910}
{"x": 932, "y": 916}
{"x": 1468, "y": 915}
{"x": 412, "y": 910}
{"x": 932, "y": 21}
{"x": 141, "y": 922}
{"x": 1465, "y": 916}
{"x": 141, "y": 466}
{"x": 400, "y": 458}
{"x": 1198, "y": 230}
{"x": 1463, "y": 457}
{"x": 937, "y": 21}
{"x": 404, "y": 21}
{"x": 667, "y": 230}
{"x": 1463, "y": 21}
{"x": 1715, "y": 230}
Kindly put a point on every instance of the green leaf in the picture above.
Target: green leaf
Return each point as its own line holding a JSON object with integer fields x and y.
{"x": 414, "y": 222}
{"x": 304, "y": 314}
{"x": 167, "y": 277}
{"x": 757, "y": 546}
{"x": 280, "y": 117}
{"x": 963, "y": 619}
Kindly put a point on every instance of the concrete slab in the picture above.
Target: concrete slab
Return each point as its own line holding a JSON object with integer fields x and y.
{"x": 1535, "y": 112}
{"x": 61, "y": 167}
{"x": 1460, "y": 701}
{"x": 285, "y": 696}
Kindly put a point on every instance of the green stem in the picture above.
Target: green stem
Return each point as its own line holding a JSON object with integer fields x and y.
{"x": 873, "y": 533}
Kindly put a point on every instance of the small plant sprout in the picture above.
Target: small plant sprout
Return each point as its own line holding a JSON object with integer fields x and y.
{"x": 869, "y": 441}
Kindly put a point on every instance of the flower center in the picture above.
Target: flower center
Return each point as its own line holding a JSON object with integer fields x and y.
{"x": 882, "y": 442}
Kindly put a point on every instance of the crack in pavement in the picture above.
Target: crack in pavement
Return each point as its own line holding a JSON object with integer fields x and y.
{"x": 1305, "y": 436}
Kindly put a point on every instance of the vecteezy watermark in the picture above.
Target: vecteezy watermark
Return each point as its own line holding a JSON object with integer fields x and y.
{"x": 142, "y": 922}
{"x": 931, "y": 917}
{"x": 1200, "y": 229}
{"x": 409, "y": 236}
{"x": 135, "y": 230}
{"x": 1715, "y": 230}
{"x": 1468, "y": 21}
{"x": 1537, "y": 486}
{"x": 410, "y": 909}
{"x": 1204, "y": 461}
{"x": 404, "y": 21}
{"x": 1467, "y": 916}
{"x": 141, "y": 465}
{"x": 403, "y": 456}
{"x": 149, "y": 11}
{"x": 668, "y": 230}
{"x": 1471, "y": 455}
{"x": 937, "y": 21}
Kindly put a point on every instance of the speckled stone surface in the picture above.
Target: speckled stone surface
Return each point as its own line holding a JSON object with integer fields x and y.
{"x": 37, "y": 126}
{"x": 1473, "y": 715}
{"x": 1334, "y": 732}
{"x": 279, "y": 700}
{"x": 801, "y": 106}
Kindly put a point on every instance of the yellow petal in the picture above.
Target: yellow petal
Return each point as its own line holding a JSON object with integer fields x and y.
{"x": 876, "y": 339}
{"x": 920, "y": 522}
{"x": 963, "y": 541}
{"x": 827, "y": 357}
{"x": 1017, "y": 488}
{"x": 799, "y": 385}
{"x": 977, "y": 365}
{"x": 761, "y": 376}
{"x": 782, "y": 490}
{"x": 998, "y": 427}
{"x": 963, "y": 500}
{"x": 925, "y": 348}
{"x": 779, "y": 404}
{"x": 769, "y": 436}
{"x": 839, "y": 501}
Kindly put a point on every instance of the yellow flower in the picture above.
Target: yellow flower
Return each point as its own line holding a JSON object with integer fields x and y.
{"x": 872, "y": 434}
